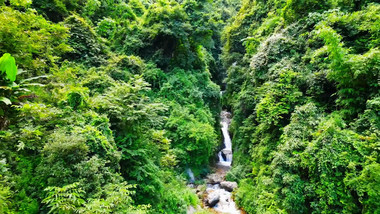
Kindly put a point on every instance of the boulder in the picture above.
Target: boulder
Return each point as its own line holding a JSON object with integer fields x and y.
{"x": 214, "y": 178}
{"x": 212, "y": 198}
{"x": 228, "y": 185}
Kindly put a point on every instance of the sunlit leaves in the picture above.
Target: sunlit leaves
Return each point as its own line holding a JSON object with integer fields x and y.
{"x": 97, "y": 123}
{"x": 35, "y": 42}
{"x": 21, "y": 3}
{"x": 64, "y": 199}
{"x": 5, "y": 100}
{"x": 8, "y": 65}
{"x": 318, "y": 157}
{"x": 279, "y": 99}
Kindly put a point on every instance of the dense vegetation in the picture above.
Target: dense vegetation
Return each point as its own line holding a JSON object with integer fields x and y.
{"x": 104, "y": 104}
{"x": 303, "y": 85}
{"x": 110, "y": 102}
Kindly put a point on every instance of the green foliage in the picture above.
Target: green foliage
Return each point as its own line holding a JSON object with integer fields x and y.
{"x": 35, "y": 42}
{"x": 5, "y": 191}
{"x": 116, "y": 198}
{"x": 106, "y": 27}
{"x": 175, "y": 196}
{"x": 129, "y": 101}
{"x": 279, "y": 99}
{"x": 303, "y": 86}
{"x": 11, "y": 91}
{"x": 192, "y": 135}
{"x": 295, "y": 9}
{"x": 57, "y": 10}
{"x": 131, "y": 106}
{"x": 355, "y": 82}
{"x": 64, "y": 199}
{"x": 8, "y": 65}
{"x": 86, "y": 44}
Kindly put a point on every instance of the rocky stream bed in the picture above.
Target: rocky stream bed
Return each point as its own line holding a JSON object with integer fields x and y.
{"x": 217, "y": 195}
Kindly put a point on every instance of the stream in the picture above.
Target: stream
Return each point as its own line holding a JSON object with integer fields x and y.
{"x": 218, "y": 193}
{"x": 225, "y": 203}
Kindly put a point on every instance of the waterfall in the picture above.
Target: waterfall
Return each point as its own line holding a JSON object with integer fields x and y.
{"x": 225, "y": 202}
{"x": 225, "y": 155}
{"x": 217, "y": 196}
{"x": 191, "y": 175}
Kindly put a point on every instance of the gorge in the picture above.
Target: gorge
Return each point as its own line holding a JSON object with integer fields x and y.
{"x": 115, "y": 106}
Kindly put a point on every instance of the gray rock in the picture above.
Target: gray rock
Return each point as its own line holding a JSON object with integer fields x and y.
{"x": 212, "y": 198}
{"x": 228, "y": 185}
{"x": 214, "y": 178}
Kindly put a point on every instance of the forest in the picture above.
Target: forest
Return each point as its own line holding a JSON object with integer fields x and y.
{"x": 106, "y": 105}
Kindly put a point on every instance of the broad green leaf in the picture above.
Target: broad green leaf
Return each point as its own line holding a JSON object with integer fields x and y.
{"x": 5, "y": 100}
{"x": 8, "y": 64}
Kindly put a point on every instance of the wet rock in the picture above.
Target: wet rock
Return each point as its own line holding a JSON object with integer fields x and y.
{"x": 228, "y": 185}
{"x": 212, "y": 198}
{"x": 214, "y": 178}
{"x": 212, "y": 187}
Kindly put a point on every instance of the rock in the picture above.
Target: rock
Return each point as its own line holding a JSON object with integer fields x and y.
{"x": 227, "y": 151}
{"x": 214, "y": 178}
{"x": 200, "y": 188}
{"x": 228, "y": 185}
{"x": 212, "y": 198}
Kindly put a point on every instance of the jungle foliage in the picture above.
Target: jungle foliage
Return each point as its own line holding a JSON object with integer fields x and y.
{"x": 105, "y": 103}
{"x": 303, "y": 86}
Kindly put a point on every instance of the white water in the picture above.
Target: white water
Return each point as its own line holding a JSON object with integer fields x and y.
{"x": 227, "y": 151}
{"x": 191, "y": 175}
{"x": 225, "y": 204}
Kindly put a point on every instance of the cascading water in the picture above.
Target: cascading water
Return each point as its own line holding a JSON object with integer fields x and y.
{"x": 225, "y": 203}
{"x": 225, "y": 155}
{"x": 191, "y": 175}
{"x": 218, "y": 195}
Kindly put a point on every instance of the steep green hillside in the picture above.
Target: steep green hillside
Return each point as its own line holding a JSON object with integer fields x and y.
{"x": 105, "y": 104}
{"x": 303, "y": 85}
{"x": 110, "y": 102}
